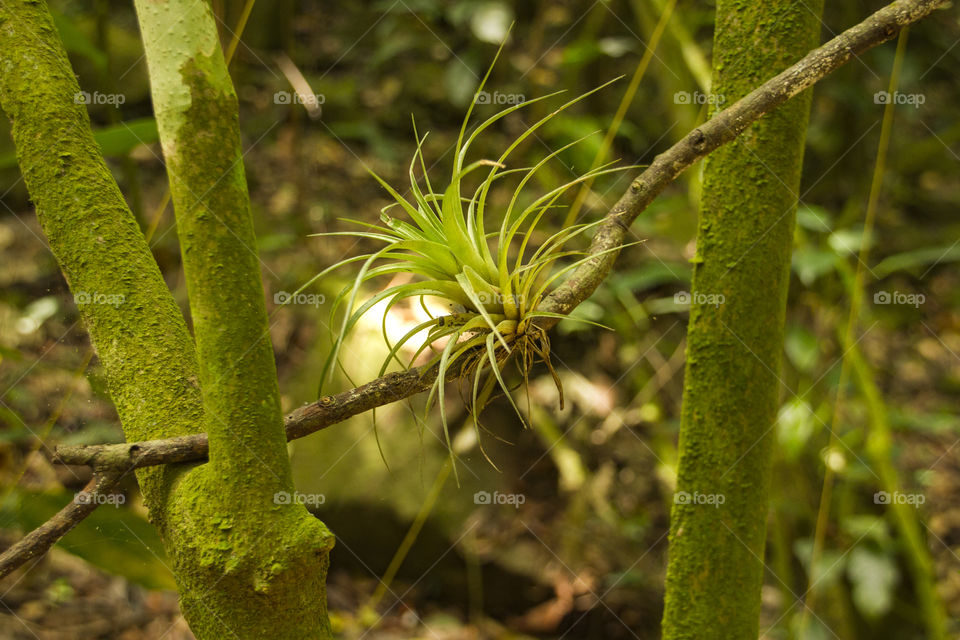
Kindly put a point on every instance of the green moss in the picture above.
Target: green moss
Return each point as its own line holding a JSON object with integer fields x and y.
{"x": 245, "y": 567}
{"x": 262, "y": 576}
{"x": 133, "y": 321}
{"x": 731, "y": 385}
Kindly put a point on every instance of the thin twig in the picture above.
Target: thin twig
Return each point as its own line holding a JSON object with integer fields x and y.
{"x": 722, "y": 128}
{"x": 302, "y": 422}
{"x": 38, "y": 542}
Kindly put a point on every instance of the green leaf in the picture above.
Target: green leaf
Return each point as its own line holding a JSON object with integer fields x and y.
{"x": 802, "y": 347}
{"x": 465, "y": 283}
{"x": 917, "y": 258}
{"x": 570, "y": 318}
{"x": 495, "y": 367}
{"x": 874, "y": 577}
{"x": 120, "y": 139}
{"x": 794, "y": 427}
{"x": 810, "y": 264}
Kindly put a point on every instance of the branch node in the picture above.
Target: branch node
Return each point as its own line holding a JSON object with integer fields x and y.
{"x": 698, "y": 139}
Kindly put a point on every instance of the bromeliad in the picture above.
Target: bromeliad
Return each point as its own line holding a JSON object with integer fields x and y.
{"x": 444, "y": 241}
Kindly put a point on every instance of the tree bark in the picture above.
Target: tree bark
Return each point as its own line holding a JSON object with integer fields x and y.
{"x": 247, "y": 565}
{"x": 735, "y": 337}
{"x": 134, "y": 322}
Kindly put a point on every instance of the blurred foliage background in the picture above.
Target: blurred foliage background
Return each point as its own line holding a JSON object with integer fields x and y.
{"x": 584, "y": 554}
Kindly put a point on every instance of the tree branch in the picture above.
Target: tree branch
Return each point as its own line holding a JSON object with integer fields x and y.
{"x": 272, "y": 581}
{"x": 722, "y": 128}
{"x": 112, "y": 461}
{"x": 307, "y": 419}
{"x": 38, "y": 542}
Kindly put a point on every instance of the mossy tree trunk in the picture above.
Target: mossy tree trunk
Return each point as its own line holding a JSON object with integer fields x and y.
{"x": 735, "y": 339}
{"x": 246, "y": 566}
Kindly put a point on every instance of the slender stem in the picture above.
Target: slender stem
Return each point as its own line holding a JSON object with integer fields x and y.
{"x": 905, "y": 516}
{"x": 238, "y": 31}
{"x": 625, "y": 102}
{"x": 722, "y": 128}
{"x": 410, "y": 538}
{"x": 39, "y": 541}
{"x": 196, "y": 110}
{"x": 856, "y": 299}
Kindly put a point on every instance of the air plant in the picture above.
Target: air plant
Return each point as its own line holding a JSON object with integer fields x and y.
{"x": 493, "y": 281}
